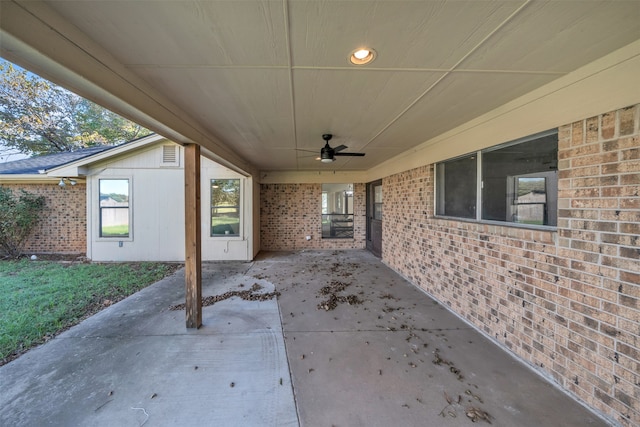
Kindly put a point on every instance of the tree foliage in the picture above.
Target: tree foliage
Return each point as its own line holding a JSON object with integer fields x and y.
{"x": 19, "y": 214}
{"x": 225, "y": 192}
{"x": 38, "y": 117}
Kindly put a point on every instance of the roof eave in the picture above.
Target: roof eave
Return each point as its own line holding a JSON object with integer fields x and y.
{"x": 80, "y": 167}
{"x": 27, "y": 179}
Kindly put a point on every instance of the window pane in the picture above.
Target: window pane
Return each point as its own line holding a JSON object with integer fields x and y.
{"x": 377, "y": 194}
{"x": 114, "y": 192}
{"x": 225, "y": 207}
{"x": 530, "y": 200}
{"x": 114, "y": 207}
{"x": 114, "y": 222}
{"x": 520, "y": 182}
{"x": 377, "y": 211}
{"x": 377, "y": 202}
{"x": 456, "y": 191}
{"x": 337, "y": 210}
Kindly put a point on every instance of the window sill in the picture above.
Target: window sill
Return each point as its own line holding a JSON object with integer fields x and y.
{"x": 549, "y": 228}
{"x": 114, "y": 239}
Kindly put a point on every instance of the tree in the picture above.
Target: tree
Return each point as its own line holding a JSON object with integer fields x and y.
{"x": 225, "y": 192}
{"x": 38, "y": 117}
{"x": 19, "y": 214}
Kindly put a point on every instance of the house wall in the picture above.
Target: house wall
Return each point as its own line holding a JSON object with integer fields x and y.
{"x": 290, "y": 212}
{"x": 255, "y": 218}
{"x": 157, "y": 208}
{"x": 565, "y": 301}
{"x": 62, "y": 227}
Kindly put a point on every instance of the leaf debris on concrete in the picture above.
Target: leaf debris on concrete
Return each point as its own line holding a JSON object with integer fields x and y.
{"x": 473, "y": 413}
{"x": 332, "y": 290}
{"x": 248, "y": 295}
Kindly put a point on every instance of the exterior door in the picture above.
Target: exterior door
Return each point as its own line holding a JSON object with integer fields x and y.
{"x": 374, "y": 217}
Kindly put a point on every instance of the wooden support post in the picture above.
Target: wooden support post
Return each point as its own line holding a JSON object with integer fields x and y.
{"x": 193, "y": 236}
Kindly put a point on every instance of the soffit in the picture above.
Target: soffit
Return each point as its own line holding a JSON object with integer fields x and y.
{"x": 268, "y": 78}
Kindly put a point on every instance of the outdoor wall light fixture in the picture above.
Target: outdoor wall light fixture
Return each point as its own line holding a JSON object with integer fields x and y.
{"x": 71, "y": 181}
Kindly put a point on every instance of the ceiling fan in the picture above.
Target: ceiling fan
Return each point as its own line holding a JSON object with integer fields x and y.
{"x": 327, "y": 154}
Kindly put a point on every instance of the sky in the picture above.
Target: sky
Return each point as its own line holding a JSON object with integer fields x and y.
{"x": 10, "y": 155}
{"x": 6, "y": 154}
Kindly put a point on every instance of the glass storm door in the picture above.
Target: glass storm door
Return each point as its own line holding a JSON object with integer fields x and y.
{"x": 374, "y": 217}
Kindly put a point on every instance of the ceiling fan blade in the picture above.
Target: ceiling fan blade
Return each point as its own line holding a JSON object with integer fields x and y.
{"x": 339, "y": 148}
{"x": 310, "y": 151}
{"x": 349, "y": 154}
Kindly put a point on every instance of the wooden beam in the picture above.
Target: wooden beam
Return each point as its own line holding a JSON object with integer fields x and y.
{"x": 193, "y": 236}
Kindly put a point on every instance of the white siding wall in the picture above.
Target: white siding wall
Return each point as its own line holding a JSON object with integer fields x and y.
{"x": 157, "y": 209}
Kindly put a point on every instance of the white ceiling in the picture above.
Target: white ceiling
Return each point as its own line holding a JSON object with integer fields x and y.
{"x": 268, "y": 78}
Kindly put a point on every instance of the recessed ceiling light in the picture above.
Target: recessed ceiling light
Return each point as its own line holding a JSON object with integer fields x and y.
{"x": 362, "y": 56}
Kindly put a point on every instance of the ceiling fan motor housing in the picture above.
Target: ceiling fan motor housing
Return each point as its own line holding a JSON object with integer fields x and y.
{"x": 326, "y": 154}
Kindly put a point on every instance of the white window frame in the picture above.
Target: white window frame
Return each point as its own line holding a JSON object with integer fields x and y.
{"x": 240, "y": 235}
{"x": 98, "y": 220}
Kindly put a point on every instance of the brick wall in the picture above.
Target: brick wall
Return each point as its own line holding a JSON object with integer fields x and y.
{"x": 567, "y": 302}
{"x": 289, "y": 212}
{"x": 63, "y": 226}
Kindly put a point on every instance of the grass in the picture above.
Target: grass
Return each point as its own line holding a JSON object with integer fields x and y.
{"x": 221, "y": 220}
{"x": 39, "y": 299}
{"x": 115, "y": 230}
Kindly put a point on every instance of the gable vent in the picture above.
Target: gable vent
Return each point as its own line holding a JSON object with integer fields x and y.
{"x": 169, "y": 154}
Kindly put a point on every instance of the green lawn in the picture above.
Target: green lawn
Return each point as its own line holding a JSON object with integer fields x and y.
{"x": 41, "y": 298}
{"x": 115, "y": 230}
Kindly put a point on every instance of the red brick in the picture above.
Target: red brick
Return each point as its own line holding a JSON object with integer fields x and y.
{"x": 632, "y": 154}
{"x": 596, "y": 159}
{"x": 629, "y": 277}
{"x": 630, "y": 203}
{"x": 627, "y": 120}
{"x": 583, "y": 171}
{"x": 63, "y": 229}
{"x": 621, "y": 144}
{"x": 633, "y": 253}
{"x": 577, "y": 134}
{"x": 608, "y": 125}
{"x": 630, "y": 179}
{"x": 621, "y": 263}
{"x": 620, "y": 215}
{"x": 599, "y": 181}
{"x": 564, "y": 134}
{"x": 620, "y": 239}
{"x": 629, "y": 227}
{"x": 582, "y": 150}
{"x": 593, "y": 129}
{"x": 621, "y": 167}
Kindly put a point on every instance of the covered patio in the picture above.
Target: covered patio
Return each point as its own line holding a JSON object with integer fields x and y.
{"x": 348, "y": 342}
{"x": 462, "y": 104}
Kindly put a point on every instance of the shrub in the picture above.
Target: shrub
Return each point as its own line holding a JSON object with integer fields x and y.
{"x": 19, "y": 214}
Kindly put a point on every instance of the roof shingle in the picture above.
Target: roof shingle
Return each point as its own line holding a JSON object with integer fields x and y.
{"x": 35, "y": 164}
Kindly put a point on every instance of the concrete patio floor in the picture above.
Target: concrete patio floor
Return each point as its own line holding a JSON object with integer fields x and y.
{"x": 391, "y": 357}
